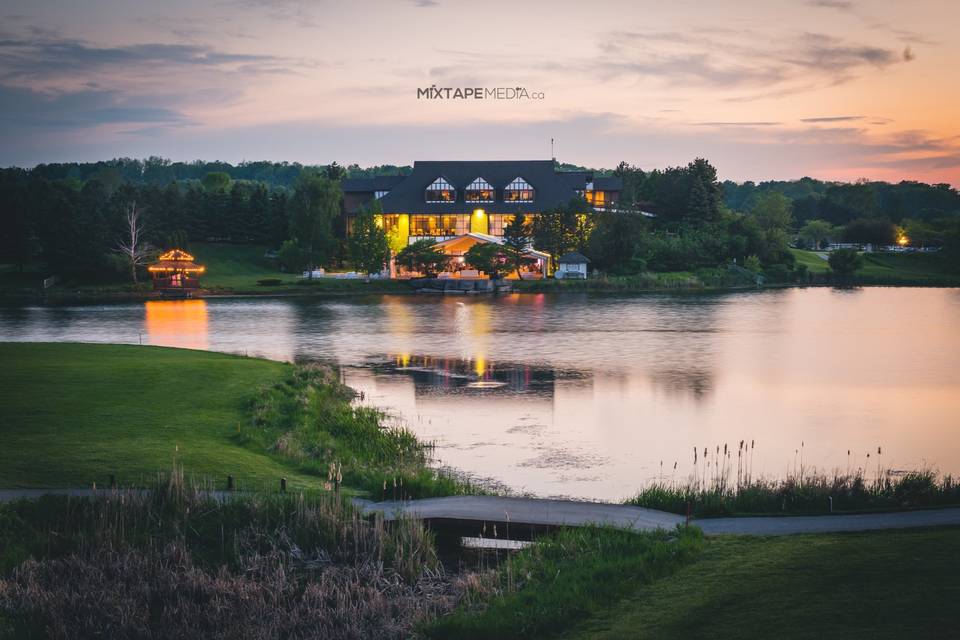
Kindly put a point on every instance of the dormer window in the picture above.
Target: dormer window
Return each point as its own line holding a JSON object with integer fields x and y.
{"x": 479, "y": 191}
{"x": 441, "y": 191}
{"x": 379, "y": 194}
{"x": 519, "y": 190}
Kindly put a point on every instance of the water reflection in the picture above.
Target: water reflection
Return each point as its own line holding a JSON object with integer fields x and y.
{"x": 586, "y": 395}
{"x": 177, "y": 323}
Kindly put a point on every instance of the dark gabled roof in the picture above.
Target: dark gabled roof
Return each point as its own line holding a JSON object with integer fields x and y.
{"x": 369, "y": 185}
{"x": 551, "y": 188}
{"x": 573, "y": 258}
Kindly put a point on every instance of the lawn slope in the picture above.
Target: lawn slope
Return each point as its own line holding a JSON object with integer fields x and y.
{"x": 70, "y": 414}
{"x": 896, "y": 584}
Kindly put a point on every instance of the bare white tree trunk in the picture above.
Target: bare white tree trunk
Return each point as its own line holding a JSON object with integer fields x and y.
{"x": 132, "y": 246}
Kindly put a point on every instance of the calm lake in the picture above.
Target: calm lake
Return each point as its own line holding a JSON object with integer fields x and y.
{"x": 593, "y": 396}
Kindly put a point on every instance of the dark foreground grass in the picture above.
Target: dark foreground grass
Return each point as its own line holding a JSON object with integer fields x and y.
{"x": 74, "y": 414}
{"x": 172, "y": 562}
{"x": 567, "y": 577}
{"x": 900, "y": 584}
{"x": 807, "y": 494}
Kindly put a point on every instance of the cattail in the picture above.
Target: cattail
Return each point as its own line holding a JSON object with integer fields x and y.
{"x": 878, "y": 451}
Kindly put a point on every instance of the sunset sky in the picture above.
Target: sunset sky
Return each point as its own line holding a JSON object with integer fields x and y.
{"x": 833, "y": 89}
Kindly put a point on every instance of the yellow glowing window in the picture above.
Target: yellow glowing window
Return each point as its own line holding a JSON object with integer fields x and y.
{"x": 441, "y": 191}
{"x": 479, "y": 191}
{"x": 596, "y": 198}
{"x": 519, "y": 190}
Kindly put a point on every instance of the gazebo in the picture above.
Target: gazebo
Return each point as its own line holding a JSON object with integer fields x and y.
{"x": 175, "y": 272}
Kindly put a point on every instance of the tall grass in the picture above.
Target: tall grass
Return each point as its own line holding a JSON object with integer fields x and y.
{"x": 567, "y": 577}
{"x": 810, "y": 493}
{"x": 310, "y": 420}
{"x": 175, "y": 562}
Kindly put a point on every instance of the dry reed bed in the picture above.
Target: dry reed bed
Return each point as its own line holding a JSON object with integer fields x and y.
{"x": 174, "y": 563}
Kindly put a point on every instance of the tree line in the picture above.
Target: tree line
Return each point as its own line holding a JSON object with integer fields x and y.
{"x": 74, "y": 217}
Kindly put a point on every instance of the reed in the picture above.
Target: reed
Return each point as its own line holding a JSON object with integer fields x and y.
{"x": 177, "y": 561}
{"x": 713, "y": 494}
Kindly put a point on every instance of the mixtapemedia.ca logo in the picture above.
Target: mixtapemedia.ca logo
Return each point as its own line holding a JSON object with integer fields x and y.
{"x": 433, "y": 92}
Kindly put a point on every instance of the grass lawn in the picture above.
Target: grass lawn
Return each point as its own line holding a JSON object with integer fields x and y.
{"x": 567, "y": 577}
{"x": 895, "y": 584}
{"x": 70, "y": 414}
{"x": 815, "y": 264}
{"x": 915, "y": 268}
{"x": 889, "y": 268}
{"x": 237, "y": 266}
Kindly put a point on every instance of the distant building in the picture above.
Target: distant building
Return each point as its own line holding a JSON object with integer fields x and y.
{"x": 448, "y": 200}
{"x": 175, "y": 273}
{"x": 573, "y": 266}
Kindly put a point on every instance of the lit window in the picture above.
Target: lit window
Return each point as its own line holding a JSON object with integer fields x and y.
{"x": 518, "y": 191}
{"x": 379, "y": 194}
{"x": 479, "y": 191}
{"x": 441, "y": 191}
{"x": 390, "y": 222}
{"x": 445, "y": 225}
{"x": 597, "y": 198}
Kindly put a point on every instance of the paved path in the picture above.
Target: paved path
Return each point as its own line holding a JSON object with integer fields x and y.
{"x": 529, "y": 511}
{"x": 783, "y": 525}
{"x": 539, "y": 512}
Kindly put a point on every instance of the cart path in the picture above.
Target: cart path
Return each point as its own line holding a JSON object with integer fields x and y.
{"x": 552, "y": 513}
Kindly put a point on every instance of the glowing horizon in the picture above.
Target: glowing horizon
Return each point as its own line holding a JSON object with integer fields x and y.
{"x": 833, "y": 89}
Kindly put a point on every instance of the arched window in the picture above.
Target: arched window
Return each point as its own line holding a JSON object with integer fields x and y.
{"x": 441, "y": 191}
{"x": 519, "y": 190}
{"x": 479, "y": 191}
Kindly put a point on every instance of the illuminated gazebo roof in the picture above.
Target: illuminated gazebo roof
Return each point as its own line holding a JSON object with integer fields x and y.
{"x": 176, "y": 260}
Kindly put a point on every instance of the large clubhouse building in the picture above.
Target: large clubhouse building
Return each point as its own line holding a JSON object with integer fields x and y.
{"x": 460, "y": 203}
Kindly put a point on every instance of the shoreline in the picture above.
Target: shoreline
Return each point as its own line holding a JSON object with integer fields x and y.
{"x": 589, "y": 287}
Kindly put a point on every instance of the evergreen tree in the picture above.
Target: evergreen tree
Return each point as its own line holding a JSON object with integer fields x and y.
{"x": 516, "y": 241}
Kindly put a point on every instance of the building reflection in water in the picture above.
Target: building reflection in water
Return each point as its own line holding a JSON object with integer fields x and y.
{"x": 177, "y": 323}
{"x": 544, "y": 429}
{"x": 437, "y": 376}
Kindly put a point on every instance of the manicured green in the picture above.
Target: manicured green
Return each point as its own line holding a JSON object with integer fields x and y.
{"x": 240, "y": 268}
{"x": 888, "y": 268}
{"x": 812, "y": 260}
{"x": 906, "y": 268}
{"x": 236, "y": 266}
{"x": 70, "y": 414}
{"x": 568, "y": 577}
{"x": 892, "y": 584}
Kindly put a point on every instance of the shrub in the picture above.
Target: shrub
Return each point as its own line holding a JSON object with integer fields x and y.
{"x": 845, "y": 262}
{"x": 269, "y": 282}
